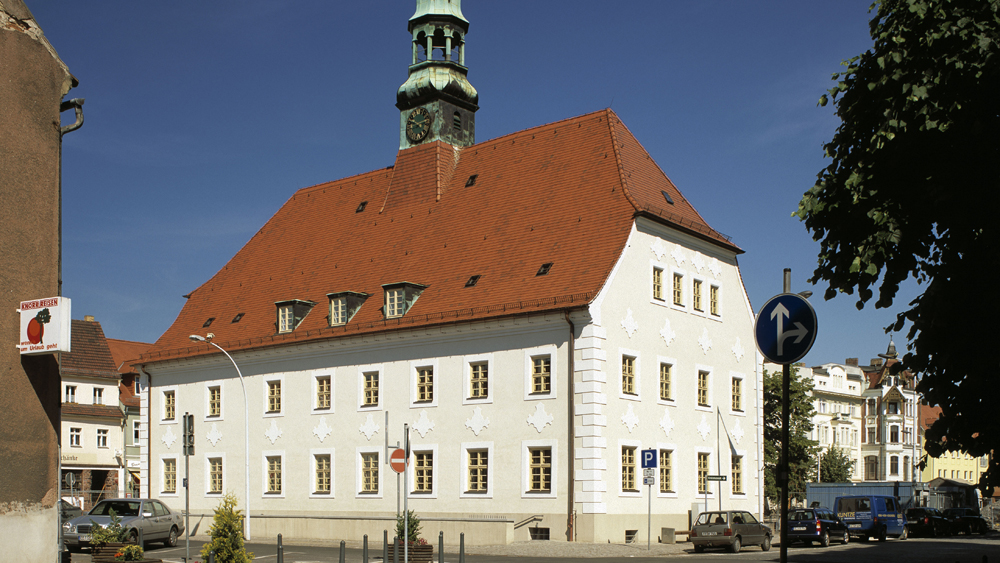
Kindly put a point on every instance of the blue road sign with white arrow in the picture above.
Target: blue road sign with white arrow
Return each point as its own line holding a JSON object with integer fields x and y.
{"x": 786, "y": 328}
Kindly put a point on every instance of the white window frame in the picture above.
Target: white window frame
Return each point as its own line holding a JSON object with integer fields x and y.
{"x": 163, "y": 406}
{"x": 664, "y": 273}
{"x": 178, "y": 479}
{"x": 742, "y": 454}
{"x": 330, "y": 373}
{"x": 637, "y": 445}
{"x": 285, "y": 473}
{"x": 79, "y": 437}
{"x": 208, "y": 401}
{"x": 708, "y": 309}
{"x": 686, "y": 297}
{"x": 672, "y": 401}
{"x": 206, "y": 458}
{"x": 101, "y": 433}
{"x": 69, "y": 394}
{"x": 637, "y": 384}
{"x": 706, "y": 301}
{"x": 333, "y": 472}
{"x": 284, "y": 328}
{"x": 526, "y": 446}
{"x": 136, "y": 432}
{"x": 709, "y": 485}
{"x": 529, "y": 355}
{"x": 463, "y": 476}
{"x": 342, "y": 300}
{"x": 711, "y": 388}
{"x": 98, "y": 395}
{"x": 358, "y": 480}
{"x": 412, "y": 469}
{"x": 415, "y": 367}
{"x": 673, "y": 455}
{"x": 467, "y": 363}
{"x": 395, "y": 310}
{"x": 743, "y": 393}
{"x": 268, "y": 379}
{"x": 362, "y": 407}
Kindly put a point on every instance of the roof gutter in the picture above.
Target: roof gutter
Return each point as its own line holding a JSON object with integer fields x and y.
{"x": 571, "y": 430}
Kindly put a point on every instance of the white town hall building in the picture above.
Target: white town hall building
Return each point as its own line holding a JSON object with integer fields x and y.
{"x": 538, "y": 308}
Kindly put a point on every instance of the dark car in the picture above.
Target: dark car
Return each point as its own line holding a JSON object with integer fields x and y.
{"x": 816, "y": 525}
{"x": 155, "y": 519}
{"x": 67, "y": 511}
{"x": 965, "y": 520}
{"x": 927, "y": 522}
{"x": 731, "y": 529}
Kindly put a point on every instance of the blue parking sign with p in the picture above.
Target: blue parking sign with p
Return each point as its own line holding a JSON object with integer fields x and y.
{"x": 648, "y": 458}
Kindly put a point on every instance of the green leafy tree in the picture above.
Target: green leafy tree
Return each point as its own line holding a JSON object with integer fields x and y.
{"x": 801, "y": 450}
{"x": 911, "y": 191}
{"x": 834, "y": 466}
{"x": 412, "y": 531}
{"x": 227, "y": 534}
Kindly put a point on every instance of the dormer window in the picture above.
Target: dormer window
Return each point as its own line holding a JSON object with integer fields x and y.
{"x": 399, "y": 297}
{"x": 344, "y": 305}
{"x": 291, "y": 313}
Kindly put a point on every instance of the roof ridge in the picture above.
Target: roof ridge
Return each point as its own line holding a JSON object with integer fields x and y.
{"x": 618, "y": 157}
{"x": 544, "y": 127}
{"x": 334, "y": 183}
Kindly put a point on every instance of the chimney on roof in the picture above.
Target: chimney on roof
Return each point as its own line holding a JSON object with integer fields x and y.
{"x": 88, "y": 318}
{"x": 851, "y": 362}
{"x": 877, "y": 362}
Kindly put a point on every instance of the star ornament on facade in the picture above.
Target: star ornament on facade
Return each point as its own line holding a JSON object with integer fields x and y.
{"x": 705, "y": 342}
{"x": 698, "y": 262}
{"x": 737, "y": 432}
{"x": 715, "y": 268}
{"x": 322, "y": 430}
{"x": 369, "y": 428}
{"x": 667, "y": 333}
{"x": 169, "y": 438}
{"x": 629, "y": 323}
{"x": 666, "y": 423}
{"x": 678, "y": 255}
{"x": 477, "y": 422}
{"x": 423, "y": 425}
{"x": 214, "y": 435}
{"x": 738, "y": 350}
{"x": 658, "y": 249}
{"x": 541, "y": 418}
{"x": 629, "y": 419}
{"x": 273, "y": 433}
{"x": 704, "y": 429}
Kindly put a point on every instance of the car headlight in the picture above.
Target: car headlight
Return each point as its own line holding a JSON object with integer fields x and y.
{"x": 68, "y": 526}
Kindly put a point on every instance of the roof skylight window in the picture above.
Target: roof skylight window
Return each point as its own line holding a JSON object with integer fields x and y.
{"x": 472, "y": 281}
{"x": 667, "y": 197}
{"x": 544, "y": 269}
{"x": 471, "y": 181}
{"x": 208, "y": 323}
{"x": 361, "y": 207}
{"x": 237, "y": 318}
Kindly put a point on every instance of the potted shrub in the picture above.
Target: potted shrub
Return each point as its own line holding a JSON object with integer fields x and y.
{"x": 105, "y": 541}
{"x": 418, "y": 549}
{"x": 129, "y": 553}
{"x": 227, "y": 534}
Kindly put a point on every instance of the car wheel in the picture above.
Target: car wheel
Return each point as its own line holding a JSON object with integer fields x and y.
{"x": 968, "y": 529}
{"x": 847, "y": 538}
{"x": 699, "y": 549}
{"x": 735, "y": 547}
{"x": 882, "y": 535}
{"x": 133, "y": 537}
{"x": 824, "y": 539}
{"x": 905, "y": 534}
{"x": 766, "y": 546}
{"x": 171, "y": 540}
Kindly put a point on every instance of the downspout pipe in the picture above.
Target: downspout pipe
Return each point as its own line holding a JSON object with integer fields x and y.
{"x": 571, "y": 427}
{"x": 76, "y": 104}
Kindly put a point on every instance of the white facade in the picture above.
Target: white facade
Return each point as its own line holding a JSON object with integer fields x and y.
{"x": 837, "y": 403}
{"x": 889, "y": 449}
{"x": 578, "y": 437}
{"x": 90, "y": 441}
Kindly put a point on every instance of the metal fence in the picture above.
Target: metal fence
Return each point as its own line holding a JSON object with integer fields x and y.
{"x": 86, "y": 500}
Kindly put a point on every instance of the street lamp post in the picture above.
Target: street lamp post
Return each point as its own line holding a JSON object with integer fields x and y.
{"x": 246, "y": 423}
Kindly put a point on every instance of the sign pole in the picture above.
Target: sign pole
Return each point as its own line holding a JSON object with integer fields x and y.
{"x": 406, "y": 495}
{"x": 649, "y": 518}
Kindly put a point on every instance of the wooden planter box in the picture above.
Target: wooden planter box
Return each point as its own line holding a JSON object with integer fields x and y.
{"x": 418, "y": 553}
{"x": 106, "y": 554}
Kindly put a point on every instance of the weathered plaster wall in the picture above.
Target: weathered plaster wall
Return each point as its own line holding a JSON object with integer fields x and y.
{"x": 33, "y": 85}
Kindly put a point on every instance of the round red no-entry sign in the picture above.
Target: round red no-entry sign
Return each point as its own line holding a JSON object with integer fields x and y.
{"x": 397, "y": 460}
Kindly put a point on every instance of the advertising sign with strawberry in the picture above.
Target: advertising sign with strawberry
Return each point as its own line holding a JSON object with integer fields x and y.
{"x": 45, "y": 326}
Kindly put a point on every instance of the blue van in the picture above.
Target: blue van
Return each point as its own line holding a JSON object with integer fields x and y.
{"x": 872, "y": 516}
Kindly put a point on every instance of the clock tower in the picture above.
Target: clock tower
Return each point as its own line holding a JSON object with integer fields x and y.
{"x": 437, "y": 102}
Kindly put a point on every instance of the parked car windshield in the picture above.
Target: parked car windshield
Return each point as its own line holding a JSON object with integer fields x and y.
{"x": 854, "y": 505}
{"x": 800, "y": 515}
{"x": 712, "y": 518}
{"x": 121, "y": 507}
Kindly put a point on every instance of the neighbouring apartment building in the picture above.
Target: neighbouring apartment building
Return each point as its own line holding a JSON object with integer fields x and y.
{"x": 837, "y": 419}
{"x": 953, "y": 466}
{"x": 889, "y": 440}
{"x": 125, "y": 353}
{"x": 538, "y": 308}
{"x": 92, "y": 418}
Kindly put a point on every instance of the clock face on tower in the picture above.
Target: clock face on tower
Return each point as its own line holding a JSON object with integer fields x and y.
{"x": 418, "y": 125}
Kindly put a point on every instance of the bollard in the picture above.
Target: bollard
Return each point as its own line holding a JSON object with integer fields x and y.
{"x": 343, "y": 550}
{"x": 385, "y": 546}
{"x": 364, "y": 550}
{"x": 440, "y": 547}
{"x": 395, "y": 549}
{"x": 139, "y": 541}
{"x": 461, "y": 548}
{"x": 281, "y": 551}
{"x": 211, "y": 557}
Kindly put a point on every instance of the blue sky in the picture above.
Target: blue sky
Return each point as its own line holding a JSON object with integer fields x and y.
{"x": 203, "y": 118}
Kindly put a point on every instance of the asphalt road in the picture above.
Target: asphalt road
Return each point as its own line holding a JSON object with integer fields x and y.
{"x": 959, "y": 549}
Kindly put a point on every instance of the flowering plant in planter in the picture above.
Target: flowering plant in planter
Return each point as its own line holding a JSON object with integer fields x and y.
{"x": 129, "y": 553}
{"x": 412, "y": 530}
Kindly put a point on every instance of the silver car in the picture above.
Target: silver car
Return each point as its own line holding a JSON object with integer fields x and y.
{"x": 155, "y": 519}
{"x": 731, "y": 529}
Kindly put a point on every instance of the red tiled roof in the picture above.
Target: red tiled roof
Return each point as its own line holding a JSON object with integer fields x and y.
{"x": 90, "y": 356}
{"x": 126, "y": 352}
{"x": 565, "y": 193}
{"x": 102, "y": 411}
